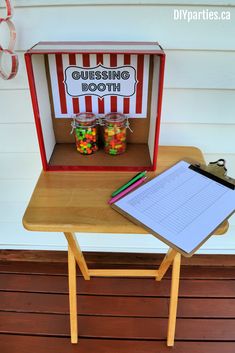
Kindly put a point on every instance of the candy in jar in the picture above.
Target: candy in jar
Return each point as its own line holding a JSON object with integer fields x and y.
{"x": 115, "y": 125}
{"x": 85, "y": 129}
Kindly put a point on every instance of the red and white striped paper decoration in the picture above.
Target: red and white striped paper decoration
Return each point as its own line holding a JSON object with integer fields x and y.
{"x": 66, "y": 106}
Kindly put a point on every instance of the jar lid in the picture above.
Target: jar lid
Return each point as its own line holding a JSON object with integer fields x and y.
{"x": 85, "y": 117}
{"x": 115, "y": 117}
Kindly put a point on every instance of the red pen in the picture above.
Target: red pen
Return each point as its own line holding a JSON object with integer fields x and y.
{"x": 126, "y": 191}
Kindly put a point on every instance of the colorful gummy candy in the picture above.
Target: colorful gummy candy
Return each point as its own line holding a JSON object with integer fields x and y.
{"x": 86, "y": 133}
{"x": 115, "y": 133}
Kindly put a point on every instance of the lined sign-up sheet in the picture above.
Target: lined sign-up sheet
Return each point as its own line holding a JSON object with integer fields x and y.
{"x": 180, "y": 206}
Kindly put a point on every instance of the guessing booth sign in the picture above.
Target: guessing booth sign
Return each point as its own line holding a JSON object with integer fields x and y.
{"x": 99, "y": 83}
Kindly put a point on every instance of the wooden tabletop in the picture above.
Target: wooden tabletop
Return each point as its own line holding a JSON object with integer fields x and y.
{"x": 77, "y": 201}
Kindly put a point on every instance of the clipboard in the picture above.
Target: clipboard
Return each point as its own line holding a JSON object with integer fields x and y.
{"x": 214, "y": 176}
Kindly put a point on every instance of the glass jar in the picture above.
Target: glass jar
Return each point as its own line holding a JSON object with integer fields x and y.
{"x": 115, "y": 125}
{"x": 85, "y": 128}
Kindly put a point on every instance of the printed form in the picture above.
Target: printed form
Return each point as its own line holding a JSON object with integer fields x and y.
{"x": 182, "y": 206}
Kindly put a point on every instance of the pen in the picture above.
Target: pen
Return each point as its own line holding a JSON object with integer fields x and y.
{"x": 130, "y": 182}
{"x": 138, "y": 174}
{"x": 126, "y": 191}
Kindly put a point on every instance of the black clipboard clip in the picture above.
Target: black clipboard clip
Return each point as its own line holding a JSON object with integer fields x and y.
{"x": 215, "y": 171}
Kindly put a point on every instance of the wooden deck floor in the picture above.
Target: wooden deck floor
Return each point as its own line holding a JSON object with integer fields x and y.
{"x": 126, "y": 315}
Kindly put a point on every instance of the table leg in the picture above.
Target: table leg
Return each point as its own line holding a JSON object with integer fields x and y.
{"x": 77, "y": 253}
{"x": 167, "y": 261}
{"x": 173, "y": 299}
{"x": 72, "y": 296}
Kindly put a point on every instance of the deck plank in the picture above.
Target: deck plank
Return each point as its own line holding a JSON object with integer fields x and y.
{"x": 117, "y": 306}
{"x": 49, "y": 256}
{"x": 117, "y": 327}
{"x": 117, "y": 286}
{"x": 115, "y": 314}
{"x": 29, "y": 344}
{"x": 61, "y": 269}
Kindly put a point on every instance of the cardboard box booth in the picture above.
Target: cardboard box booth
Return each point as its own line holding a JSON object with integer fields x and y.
{"x": 67, "y": 78}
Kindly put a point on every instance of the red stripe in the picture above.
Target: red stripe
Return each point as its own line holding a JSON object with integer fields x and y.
{"x": 101, "y": 43}
{"x": 72, "y": 61}
{"x": 99, "y": 60}
{"x": 113, "y": 99}
{"x": 126, "y": 101}
{"x": 32, "y": 87}
{"x": 95, "y": 168}
{"x": 60, "y": 77}
{"x": 88, "y": 100}
{"x": 139, "y": 90}
{"x": 159, "y": 108}
{"x": 93, "y": 51}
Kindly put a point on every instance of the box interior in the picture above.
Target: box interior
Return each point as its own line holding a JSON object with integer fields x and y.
{"x": 60, "y": 143}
